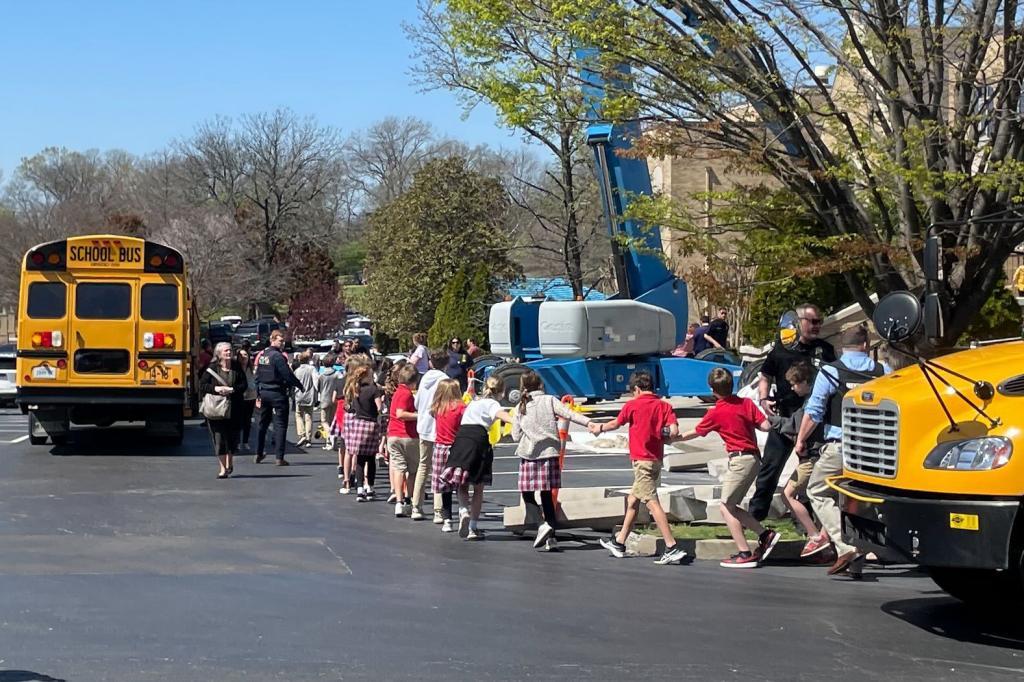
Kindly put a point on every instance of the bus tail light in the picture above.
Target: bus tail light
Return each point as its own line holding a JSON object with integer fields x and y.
{"x": 51, "y": 339}
{"x": 143, "y": 365}
{"x": 52, "y": 256}
{"x": 151, "y": 340}
{"x": 62, "y": 364}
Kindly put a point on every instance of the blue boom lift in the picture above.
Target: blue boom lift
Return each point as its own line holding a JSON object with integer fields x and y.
{"x": 590, "y": 348}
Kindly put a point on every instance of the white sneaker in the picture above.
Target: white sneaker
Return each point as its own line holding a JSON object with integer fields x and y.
{"x": 417, "y": 514}
{"x": 463, "y": 524}
{"x": 551, "y": 545}
{"x": 543, "y": 533}
{"x": 475, "y": 534}
{"x": 438, "y": 516}
{"x": 446, "y": 526}
{"x": 392, "y": 498}
{"x": 399, "y": 510}
{"x": 344, "y": 490}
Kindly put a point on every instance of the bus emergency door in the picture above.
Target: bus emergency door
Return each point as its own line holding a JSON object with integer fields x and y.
{"x": 101, "y": 349}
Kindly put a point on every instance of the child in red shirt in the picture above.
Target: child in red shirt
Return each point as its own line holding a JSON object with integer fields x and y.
{"x": 648, "y": 417}
{"x": 735, "y": 420}
{"x": 447, "y": 410}
{"x": 403, "y": 440}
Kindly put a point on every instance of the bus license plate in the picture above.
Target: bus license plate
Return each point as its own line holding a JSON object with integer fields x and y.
{"x": 44, "y": 372}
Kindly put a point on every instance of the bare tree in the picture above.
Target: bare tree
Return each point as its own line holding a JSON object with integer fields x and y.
{"x": 276, "y": 174}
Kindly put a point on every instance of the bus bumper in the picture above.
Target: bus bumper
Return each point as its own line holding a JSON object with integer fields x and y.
{"x": 45, "y": 397}
{"x": 929, "y": 530}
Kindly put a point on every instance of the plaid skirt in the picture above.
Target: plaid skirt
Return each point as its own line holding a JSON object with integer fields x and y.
{"x": 439, "y": 462}
{"x": 470, "y": 459}
{"x": 362, "y": 437}
{"x": 338, "y": 430}
{"x": 539, "y": 474}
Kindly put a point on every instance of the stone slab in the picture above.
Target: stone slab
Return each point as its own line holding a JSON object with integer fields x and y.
{"x": 689, "y": 461}
{"x": 716, "y": 550}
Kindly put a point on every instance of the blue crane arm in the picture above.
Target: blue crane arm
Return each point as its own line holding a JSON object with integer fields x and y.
{"x": 639, "y": 264}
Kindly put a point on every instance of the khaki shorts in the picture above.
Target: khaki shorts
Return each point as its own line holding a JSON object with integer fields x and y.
{"x": 738, "y": 478}
{"x": 802, "y": 474}
{"x": 646, "y": 476}
{"x": 403, "y": 453}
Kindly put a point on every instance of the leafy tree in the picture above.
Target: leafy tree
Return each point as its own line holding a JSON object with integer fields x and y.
{"x": 450, "y": 219}
{"x": 349, "y": 259}
{"x": 482, "y": 289}
{"x": 451, "y": 316}
{"x": 999, "y": 318}
{"x": 497, "y": 51}
{"x": 316, "y": 308}
{"x": 913, "y": 130}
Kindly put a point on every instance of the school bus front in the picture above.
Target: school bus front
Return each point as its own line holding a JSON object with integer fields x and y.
{"x": 105, "y": 327}
{"x": 931, "y": 479}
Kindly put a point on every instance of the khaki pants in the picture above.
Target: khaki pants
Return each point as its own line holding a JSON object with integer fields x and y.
{"x": 824, "y": 499}
{"x": 423, "y": 470}
{"x": 326, "y": 417}
{"x": 304, "y": 421}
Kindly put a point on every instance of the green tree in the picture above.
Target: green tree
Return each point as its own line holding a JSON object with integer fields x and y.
{"x": 450, "y": 219}
{"x": 482, "y": 290}
{"x": 451, "y": 316}
{"x": 999, "y": 318}
{"x": 497, "y": 51}
{"x": 913, "y": 129}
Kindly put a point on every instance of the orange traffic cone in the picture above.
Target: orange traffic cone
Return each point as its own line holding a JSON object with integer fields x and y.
{"x": 471, "y": 383}
{"x": 563, "y": 438}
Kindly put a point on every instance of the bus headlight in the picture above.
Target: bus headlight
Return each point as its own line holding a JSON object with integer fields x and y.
{"x": 976, "y": 454}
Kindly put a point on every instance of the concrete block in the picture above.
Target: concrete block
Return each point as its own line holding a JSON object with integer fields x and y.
{"x": 717, "y": 467}
{"x": 586, "y": 493}
{"x": 713, "y": 512}
{"x": 707, "y": 492}
{"x": 600, "y": 514}
{"x": 683, "y": 508}
{"x": 690, "y": 460}
{"x": 716, "y": 550}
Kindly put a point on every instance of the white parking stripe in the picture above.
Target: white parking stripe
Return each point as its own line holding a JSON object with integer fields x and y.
{"x": 18, "y": 440}
{"x": 576, "y": 454}
{"x": 571, "y": 471}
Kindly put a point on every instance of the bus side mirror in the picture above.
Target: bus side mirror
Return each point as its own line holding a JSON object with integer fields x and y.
{"x": 897, "y": 316}
{"x": 932, "y": 264}
{"x": 789, "y": 323}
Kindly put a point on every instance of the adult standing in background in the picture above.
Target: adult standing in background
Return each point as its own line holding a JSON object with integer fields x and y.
{"x": 305, "y": 399}
{"x": 473, "y": 349}
{"x": 248, "y": 399}
{"x": 806, "y": 348}
{"x": 459, "y": 363}
{"x": 224, "y": 377}
{"x": 420, "y": 356}
{"x": 274, "y": 379}
{"x": 718, "y": 329}
{"x": 701, "y": 340}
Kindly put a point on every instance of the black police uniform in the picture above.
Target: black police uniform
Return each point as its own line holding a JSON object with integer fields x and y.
{"x": 779, "y": 446}
{"x": 274, "y": 378}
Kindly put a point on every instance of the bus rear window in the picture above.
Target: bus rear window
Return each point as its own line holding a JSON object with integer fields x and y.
{"x": 47, "y": 300}
{"x": 159, "y": 302}
{"x": 103, "y": 301}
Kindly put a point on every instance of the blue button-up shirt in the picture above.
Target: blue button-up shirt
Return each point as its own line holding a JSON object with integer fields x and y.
{"x": 826, "y": 386}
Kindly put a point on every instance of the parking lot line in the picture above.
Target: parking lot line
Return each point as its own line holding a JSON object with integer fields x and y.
{"x": 18, "y": 440}
{"x": 571, "y": 471}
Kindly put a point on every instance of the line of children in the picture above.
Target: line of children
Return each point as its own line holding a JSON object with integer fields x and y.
{"x": 447, "y": 409}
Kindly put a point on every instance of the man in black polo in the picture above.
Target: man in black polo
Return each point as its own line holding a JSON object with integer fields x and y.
{"x": 806, "y": 348}
{"x": 718, "y": 328}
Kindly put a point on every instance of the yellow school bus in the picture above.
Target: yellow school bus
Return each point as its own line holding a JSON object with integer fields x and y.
{"x": 107, "y": 332}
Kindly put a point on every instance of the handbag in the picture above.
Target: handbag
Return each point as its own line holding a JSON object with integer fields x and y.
{"x": 215, "y": 406}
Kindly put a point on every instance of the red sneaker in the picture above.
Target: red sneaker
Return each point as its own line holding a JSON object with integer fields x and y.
{"x": 766, "y": 543}
{"x": 815, "y": 545}
{"x": 741, "y": 560}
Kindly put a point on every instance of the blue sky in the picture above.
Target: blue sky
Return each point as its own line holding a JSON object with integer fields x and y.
{"x": 135, "y": 75}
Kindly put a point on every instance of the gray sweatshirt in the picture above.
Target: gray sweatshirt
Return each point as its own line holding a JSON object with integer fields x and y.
{"x": 536, "y": 430}
{"x": 306, "y": 374}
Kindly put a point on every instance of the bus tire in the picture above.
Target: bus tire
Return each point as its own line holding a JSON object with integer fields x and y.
{"x": 509, "y": 375}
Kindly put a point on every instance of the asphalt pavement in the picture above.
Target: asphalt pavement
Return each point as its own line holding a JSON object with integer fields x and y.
{"x": 124, "y": 560}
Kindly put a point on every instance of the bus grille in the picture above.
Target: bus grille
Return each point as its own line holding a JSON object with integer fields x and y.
{"x": 871, "y": 439}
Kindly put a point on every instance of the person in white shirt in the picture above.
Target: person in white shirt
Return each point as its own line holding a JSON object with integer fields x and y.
{"x": 471, "y": 458}
{"x": 420, "y": 355}
{"x": 427, "y": 429}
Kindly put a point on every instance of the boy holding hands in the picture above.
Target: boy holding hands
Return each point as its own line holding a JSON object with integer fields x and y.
{"x": 735, "y": 419}
{"x": 648, "y": 417}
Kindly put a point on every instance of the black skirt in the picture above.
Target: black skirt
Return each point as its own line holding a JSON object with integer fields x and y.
{"x": 225, "y": 435}
{"x": 471, "y": 458}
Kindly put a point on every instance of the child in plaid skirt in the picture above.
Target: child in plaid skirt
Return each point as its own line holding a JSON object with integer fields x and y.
{"x": 362, "y": 434}
{"x": 535, "y": 428}
{"x": 447, "y": 409}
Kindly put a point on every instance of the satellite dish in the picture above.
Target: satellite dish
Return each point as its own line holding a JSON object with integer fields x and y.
{"x": 897, "y": 316}
{"x": 789, "y": 323}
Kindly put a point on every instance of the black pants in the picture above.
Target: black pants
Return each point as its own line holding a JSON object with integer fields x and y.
{"x": 245, "y": 425}
{"x": 777, "y": 450}
{"x": 274, "y": 408}
{"x": 446, "y": 506}
{"x": 366, "y": 469}
{"x": 547, "y": 504}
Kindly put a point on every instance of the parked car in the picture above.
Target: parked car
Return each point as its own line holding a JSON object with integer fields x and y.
{"x": 219, "y": 331}
{"x": 256, "y": 334}
{"x": 8, "y": 373}
{"x": 233, "y": 320}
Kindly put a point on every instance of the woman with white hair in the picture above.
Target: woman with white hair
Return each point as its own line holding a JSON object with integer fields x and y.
{"x": 224, "y": 378}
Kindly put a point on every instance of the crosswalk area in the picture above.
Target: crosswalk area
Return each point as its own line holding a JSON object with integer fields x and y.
{"x": 13, "y": 426}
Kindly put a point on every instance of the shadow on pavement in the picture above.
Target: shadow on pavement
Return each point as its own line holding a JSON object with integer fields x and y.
{"x": 265, "y": 476}
{"x": 26, "y": 676}
{"x": 116, "y": 441}
{"x": 947, "y": 617}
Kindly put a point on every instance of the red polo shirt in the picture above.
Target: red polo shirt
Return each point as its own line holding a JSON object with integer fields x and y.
{"x": 735, "y": 419}
{"x": 402, "y": 400}
{"x": 647, "y": 415}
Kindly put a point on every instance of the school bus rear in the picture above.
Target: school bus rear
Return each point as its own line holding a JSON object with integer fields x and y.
{"x": 105, "y": 333}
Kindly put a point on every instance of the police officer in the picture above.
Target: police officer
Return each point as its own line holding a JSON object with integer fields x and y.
{"x": 274, "y": 380}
